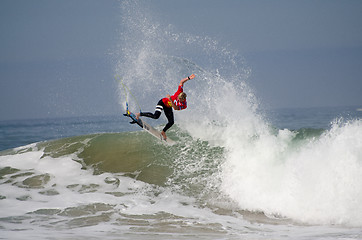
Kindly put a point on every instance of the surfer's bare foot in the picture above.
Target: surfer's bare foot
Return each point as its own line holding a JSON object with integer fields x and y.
{"x": 164, "y": 135}
{"x": 138, "y": 115}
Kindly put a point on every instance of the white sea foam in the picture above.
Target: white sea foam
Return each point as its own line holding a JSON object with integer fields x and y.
{"x": 317, "y": 182}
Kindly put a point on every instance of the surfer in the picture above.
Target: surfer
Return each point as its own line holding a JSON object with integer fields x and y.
{"x": 176, "y": 101}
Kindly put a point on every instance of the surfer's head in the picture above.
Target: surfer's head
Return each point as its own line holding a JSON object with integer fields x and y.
{"x": 182, "y": 96}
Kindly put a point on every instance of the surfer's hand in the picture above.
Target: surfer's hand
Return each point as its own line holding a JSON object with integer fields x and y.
{"x": 192, "y": 76}
{"x": 168, "y": 96}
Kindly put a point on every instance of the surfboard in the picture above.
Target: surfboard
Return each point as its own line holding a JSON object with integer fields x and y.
{"x": 148, "y": 128}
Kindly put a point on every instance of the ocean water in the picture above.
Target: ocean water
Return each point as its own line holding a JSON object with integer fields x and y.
{"x": 100, "y": 177}
{"x": 236, "y": 172}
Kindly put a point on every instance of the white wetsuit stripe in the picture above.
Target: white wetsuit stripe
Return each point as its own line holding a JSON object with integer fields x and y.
{"x": 159, "y": 108}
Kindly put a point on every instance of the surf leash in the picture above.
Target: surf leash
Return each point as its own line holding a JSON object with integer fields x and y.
{"x": 127, "y": 92}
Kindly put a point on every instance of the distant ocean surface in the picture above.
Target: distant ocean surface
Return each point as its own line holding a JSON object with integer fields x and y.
{"x": 16, "y": 133}
{"x": 100, "y": 177}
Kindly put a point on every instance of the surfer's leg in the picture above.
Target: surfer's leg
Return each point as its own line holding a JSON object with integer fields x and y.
{"x": 169, "y": 115}
{"x": 157, "y": 113}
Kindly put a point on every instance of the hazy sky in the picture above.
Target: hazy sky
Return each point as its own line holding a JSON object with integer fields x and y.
{"x": 54, "y": 54}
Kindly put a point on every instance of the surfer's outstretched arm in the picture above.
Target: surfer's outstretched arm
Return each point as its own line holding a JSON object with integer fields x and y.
{"x": 192, "y": 76}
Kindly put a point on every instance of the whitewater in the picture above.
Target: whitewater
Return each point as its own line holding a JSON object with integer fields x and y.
{"x": 233, "y": 174}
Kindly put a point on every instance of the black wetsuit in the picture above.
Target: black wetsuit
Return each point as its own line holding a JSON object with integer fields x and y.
{"x": 168, "y": 112}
